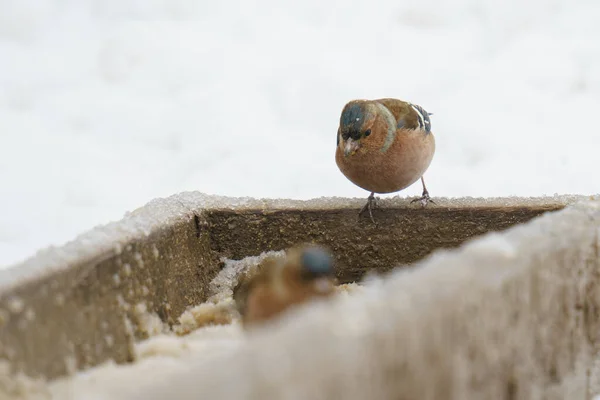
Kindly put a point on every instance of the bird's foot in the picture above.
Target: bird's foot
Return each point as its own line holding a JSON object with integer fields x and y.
{"x": 371, "y": 204}
{"x": 424, "y": 199}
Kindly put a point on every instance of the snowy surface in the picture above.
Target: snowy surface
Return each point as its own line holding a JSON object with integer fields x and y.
{"x": 105, "y": 240}
{"x": 352, "y": 337}
{"x": 158, "y": 358}
{"x": 106, "y": 104}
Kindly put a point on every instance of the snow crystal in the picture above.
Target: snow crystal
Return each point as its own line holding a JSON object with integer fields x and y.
{"x": 148, "y": 323}
{"x": 222, "y": 285}
{"x": 127, "y": 269}
{"x": 139, "y": 259}
{"x": 15, "y": 305}
{"x": 155, "y": 252}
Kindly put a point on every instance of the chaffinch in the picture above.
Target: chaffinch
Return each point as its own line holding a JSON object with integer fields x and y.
{"x": 384, "y": 146}
{"x": 306, "y": 272}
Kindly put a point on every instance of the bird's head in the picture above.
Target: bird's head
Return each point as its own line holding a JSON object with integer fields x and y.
{"x": 315, "y": 263}
{"x": 356, "y": 123}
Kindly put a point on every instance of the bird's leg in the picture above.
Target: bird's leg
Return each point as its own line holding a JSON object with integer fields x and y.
{"x": 424, "y": 199}
{"x": 371, "y": 203}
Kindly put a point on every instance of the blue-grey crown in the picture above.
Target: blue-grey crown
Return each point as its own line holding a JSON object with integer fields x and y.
{"x": 352, "y": 118}
{"x": 316, "y": 261}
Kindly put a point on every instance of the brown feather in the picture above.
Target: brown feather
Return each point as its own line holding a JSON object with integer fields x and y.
{"x": 401, "y": 110}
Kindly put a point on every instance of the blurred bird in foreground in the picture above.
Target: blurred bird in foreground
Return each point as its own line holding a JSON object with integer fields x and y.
{"x": 384, "y": 146}
{"x": 305, "y": 273}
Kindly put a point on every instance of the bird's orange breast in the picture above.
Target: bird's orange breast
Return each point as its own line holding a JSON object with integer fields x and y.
{"x": 273, "y": 296}
{"x": 401, "y": 165}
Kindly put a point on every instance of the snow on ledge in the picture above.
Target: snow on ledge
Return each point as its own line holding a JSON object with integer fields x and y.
{"x": 104, "y": 241}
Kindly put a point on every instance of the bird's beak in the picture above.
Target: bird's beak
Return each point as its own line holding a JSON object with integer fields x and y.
{"x": 351, "y": 146}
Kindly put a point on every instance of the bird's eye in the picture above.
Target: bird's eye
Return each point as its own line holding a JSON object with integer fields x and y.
{"x": 345, "y": 135}
{"x": 367, "y": 132}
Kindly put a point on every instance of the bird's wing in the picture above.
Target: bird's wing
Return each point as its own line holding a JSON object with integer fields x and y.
{"x": 408, "y": 115}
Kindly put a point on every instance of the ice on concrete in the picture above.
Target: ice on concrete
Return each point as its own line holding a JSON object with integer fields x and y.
{"x": 214, "y": 312}
{"x": 148, "y": 323}
{"x": 222, "y": 285}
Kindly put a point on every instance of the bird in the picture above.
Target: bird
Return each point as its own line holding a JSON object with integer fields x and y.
{"x": 384, "y": 146}
{"x": 279, "y": 283}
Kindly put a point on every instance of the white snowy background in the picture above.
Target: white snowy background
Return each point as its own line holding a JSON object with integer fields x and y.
{"x": 106, "y": 104}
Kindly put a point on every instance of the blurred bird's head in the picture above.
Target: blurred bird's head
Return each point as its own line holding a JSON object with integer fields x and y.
{"x": 356, "y": 124}
{"x": 315, "y": 263}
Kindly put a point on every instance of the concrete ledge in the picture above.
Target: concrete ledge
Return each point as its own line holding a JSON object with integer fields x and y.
{"x": 508, "y": 316}
{"x": 57, "y": 308}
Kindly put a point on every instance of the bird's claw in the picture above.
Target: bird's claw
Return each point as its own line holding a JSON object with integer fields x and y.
{"x": 371, "y": 203}
{"x": 424, "y": 199}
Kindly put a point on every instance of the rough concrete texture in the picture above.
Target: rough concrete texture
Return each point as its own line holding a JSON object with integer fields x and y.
{"x": 86, "y": 313}
{"x": 73, "y": 307}
{"x": 401, "y": 235}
